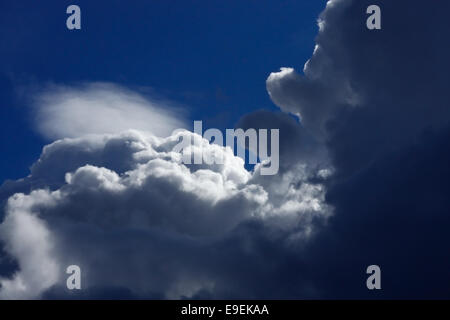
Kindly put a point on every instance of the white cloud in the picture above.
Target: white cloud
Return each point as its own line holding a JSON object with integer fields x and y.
{"x": 97, "y": 108}
{"x": 156, "y": 226}
{"x": 27, "y": 238}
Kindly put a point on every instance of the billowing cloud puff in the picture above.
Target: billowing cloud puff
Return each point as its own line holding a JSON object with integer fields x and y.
{"x": 144, "y": 221}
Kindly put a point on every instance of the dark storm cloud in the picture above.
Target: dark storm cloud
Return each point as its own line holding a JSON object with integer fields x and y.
{"x": 296, "y": 144}
{"x": 379, "y": 100}
{"x": 395, "y": 213}
{"x": 366, "y": 92}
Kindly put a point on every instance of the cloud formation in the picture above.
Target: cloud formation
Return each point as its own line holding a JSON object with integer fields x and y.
{"x": 378, "y": 100}
{"x": 370, "y": 90}
{"x": 146, "y": 223}
{"x": 97, "y": 108}
{"x": 363, "y": 180}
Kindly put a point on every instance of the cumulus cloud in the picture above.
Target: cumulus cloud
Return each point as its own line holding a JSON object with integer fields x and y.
{"x": 146, "y": 222}
{"x": 96, "y": 108}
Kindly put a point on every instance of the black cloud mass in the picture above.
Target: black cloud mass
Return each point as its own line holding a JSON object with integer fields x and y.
{"x": 364, "y": 179}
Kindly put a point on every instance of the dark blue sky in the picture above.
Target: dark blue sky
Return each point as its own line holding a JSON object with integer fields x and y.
{"x": 211, "y": 56}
